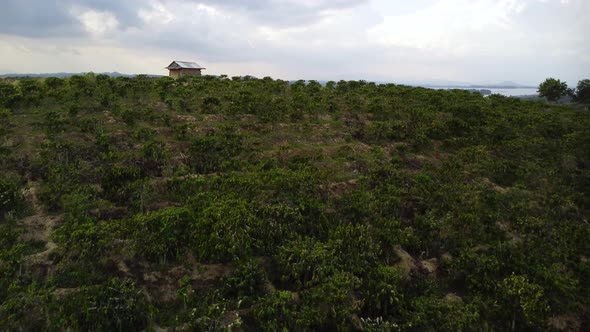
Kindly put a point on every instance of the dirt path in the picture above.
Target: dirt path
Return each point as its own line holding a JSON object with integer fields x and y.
{"x": 39, "y": 227}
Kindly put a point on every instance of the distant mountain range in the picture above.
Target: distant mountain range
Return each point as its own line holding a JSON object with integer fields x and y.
{"x": 427, "y": 84}
{"x": 450, "y": 84}
{"x": 468, "y": 85}
{"x": 62, "y": 75}
{"x": 501, "y": 85}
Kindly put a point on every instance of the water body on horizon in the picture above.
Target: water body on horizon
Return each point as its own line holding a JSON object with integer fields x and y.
{"x": 510, "y": 92}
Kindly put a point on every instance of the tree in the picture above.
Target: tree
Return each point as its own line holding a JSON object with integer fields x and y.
{"x": 553, "y": 89}
{"x": 583, "y": 92}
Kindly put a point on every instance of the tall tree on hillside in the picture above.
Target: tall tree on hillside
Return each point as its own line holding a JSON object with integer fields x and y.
{"x": 583, "y": 92}
{"x": 553, "y": 89}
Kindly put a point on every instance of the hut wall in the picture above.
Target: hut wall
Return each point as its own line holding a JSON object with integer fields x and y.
{"x": 190, "y": 71}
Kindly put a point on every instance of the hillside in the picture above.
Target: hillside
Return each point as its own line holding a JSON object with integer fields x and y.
{"x": 248, "y": 204}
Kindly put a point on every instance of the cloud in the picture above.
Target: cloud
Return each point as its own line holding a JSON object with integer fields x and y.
{"x": 285, "y": 13}
{"x": 449, "y": 26}
{"x": 371, "y": 39}
{"x": 97, "y": 23}
{"x": 40, "y": 18}
{"x": 36, "y": 18}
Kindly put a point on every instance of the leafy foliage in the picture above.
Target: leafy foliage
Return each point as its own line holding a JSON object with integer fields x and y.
{"x": 162, "y": 234}
{"x": 114, "y": 306}
{"x": 11, "y": 200}
{"x": 553, "y": 89}
{"x": 583, "y": 91}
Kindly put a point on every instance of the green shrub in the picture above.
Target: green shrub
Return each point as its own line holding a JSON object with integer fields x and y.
{"x": 276, "y": 312}
{"x": 433, "y": 314}
{"x": 355, "y": 247}
{"x": 11, "y": 253}
{"x": 115, "y": 306}
{"x": 331, "y": 305}
{"x": 223, "y": 230}
{"x": 525, "y": 299}
{"x": 26, "y": 308}
{"x": 378, "y": 325}
{"x": 246, "y": 283}
{"x": 120, "y": 181}
{"x": 5, "y": 121}
{"x": 215, "y": 152}
{"x": 129, "y": 116}
{"x": 305, "y": 261}
{"x": 9, "y": 94}
{"x": 144, "y": 134}
{"x": 11, "y": 198}
{"x": 384, "y": 292}
{"x": 210, "y": 312}
{"x": 163, "y": 234}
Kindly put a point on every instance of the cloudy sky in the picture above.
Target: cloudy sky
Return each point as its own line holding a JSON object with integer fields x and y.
{"x": 387, "y": 40}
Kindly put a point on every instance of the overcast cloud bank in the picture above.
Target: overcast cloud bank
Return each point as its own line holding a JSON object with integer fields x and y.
{"x": 387, "y": 40}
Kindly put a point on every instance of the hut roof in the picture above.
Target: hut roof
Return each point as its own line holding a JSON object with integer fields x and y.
{"x": 184, "y": 65}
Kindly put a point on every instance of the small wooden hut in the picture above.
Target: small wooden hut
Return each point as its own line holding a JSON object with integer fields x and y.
{"x": 183, "y": 68}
